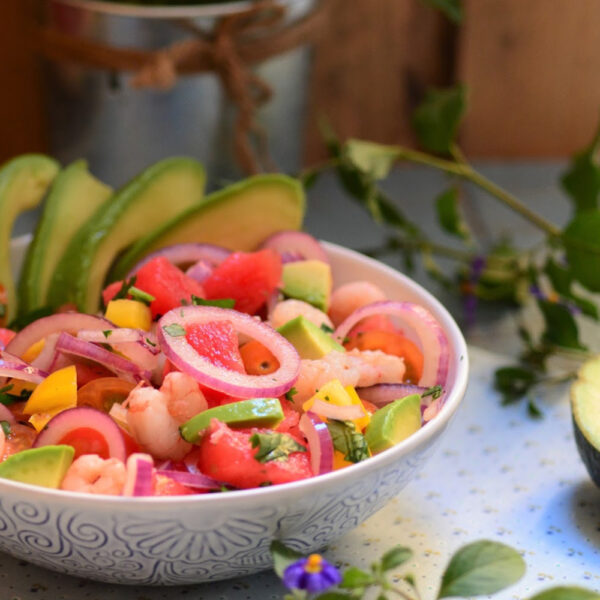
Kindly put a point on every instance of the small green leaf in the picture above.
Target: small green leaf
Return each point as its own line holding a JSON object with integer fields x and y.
{"x": 5, "y": 427}
{"x": 562, "y": 279}
{"x": 348, "y": 441}
{"x": 107, "y": 333}
{"x": 395, "y": 557}
{"x": 124, "y": 289}
{"x": 582, "y": 246}
{"x": 289, "y": 395}
{"x": 451, "y": 8}
{"x": 566, "y": 593}
{"x": 514, "y": 382}
{"x": 374, "y": 159}
{"x": 481, "y": 568}
{"x": 356, "y": 578}
{"x": 274, "y": 446}
{"x": 561, "y": 327}
{"x": 435, "y": 392}
{"x": 449, "y": 215}
{"x": 437, "y": 119}
{"x": 174, "y": 330}
{"x": 533, "y": 410}
{"x": 282, "y": 557}
{"x": 141, "y": 295}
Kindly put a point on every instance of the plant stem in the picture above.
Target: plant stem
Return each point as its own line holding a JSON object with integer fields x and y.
{"x": 416, "y": 244}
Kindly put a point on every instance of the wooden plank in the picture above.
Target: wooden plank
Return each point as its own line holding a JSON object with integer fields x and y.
{"x": 372, "y": 66}
{"x": 22, "y": 124}
{"x": 533, "y": 71}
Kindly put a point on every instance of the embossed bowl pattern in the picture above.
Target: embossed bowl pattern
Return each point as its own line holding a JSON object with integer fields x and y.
{"x": 183, "y": 540}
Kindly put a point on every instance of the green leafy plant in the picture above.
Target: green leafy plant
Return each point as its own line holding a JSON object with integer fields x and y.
{"x": 477, "y": 569}
{"x": 559, "y": 277}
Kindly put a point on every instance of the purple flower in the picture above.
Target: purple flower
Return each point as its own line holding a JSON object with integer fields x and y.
{"x": 313, "y": 574}
{"x": 468, "y": 290}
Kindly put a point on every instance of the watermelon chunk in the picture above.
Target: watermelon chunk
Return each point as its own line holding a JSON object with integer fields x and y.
{"x": 216, "y": 341}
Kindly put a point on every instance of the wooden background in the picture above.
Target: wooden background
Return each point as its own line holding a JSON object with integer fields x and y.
{"x": 532, "y": 68}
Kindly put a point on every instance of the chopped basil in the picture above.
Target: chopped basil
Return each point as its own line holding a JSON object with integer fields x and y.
{"x": 274, "y": 446}
{"x": 289, "y": 395}
{"x": 348, "y": 441}
{"x": 220, "y": 303}
{"x": 141, "y": 295}
{"x": 435, "y": 392}
{"x": 124, "y": 289}
{"x": 5, "y": 427}
{"x": 174, "y": 330}
{"x": 8, "y": 399}
{"x": 326, "y": 328}
{"x": 107, "y": 333}
{"x": 150, "y": 342}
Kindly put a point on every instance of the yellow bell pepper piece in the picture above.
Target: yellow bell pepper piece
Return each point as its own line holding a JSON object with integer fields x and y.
{"x": 363, "y": 421}
{"x": 339, "y": 462}
{"x": 34, "y": 350}
{"x": 129, "y": 313}
{"x": 55, "y": 393}
{"x": 40, "y": 420}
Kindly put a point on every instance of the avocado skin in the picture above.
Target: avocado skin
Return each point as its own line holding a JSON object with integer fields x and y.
{"x": 589, "y": 455}
{"x": 23, "y": 183}
{"x": 237, "y": 217}
{"x": 45, "y": 466}
{"x": 74, "y": 196}
{"x": 158, "y": 193}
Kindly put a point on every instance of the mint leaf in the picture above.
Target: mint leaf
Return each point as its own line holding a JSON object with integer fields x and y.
{"x": 274, "y": 446}
{"x": 174, "y": 330}
{"x": 566, "y": 593}
{"x": 282, "y": 557}
{"x": 374, "y": 159}
{"x": 356, "y": 578}
{"x": 481, "y": 568}
{"x": 448, "y": 214}
{"x": 220, "y": 302}
{"x": 395, "y": 557}
{"x": 451, "y": 8}
{"x": 348, "y": 441}
{"x": 582, "y": 246}
{"x": 437, "y": 119}
{"x": 561, "y": 328}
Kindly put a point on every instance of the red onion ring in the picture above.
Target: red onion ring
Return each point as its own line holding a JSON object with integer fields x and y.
{"x": 68, "y": 344}
{"x": 319, "y": 441}
{"x": 239, "y": 385}
{"x": 181, "y": 254}
{"x": 42, "y": 328}
{"x": 335, "y": 411}
{"x": 193, "y": 480}
{"x": 44, "y": 359}
{"x": 431, "y": 336}
{"x": 17, "y": 369}
{"x": 140, "y": 475}
{"x": 384, "y": 393}
{"x": 295, "y": 245}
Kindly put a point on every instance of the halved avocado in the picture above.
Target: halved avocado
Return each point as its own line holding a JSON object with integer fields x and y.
{"x": 23, "y": 183}
{"x": 75, "y": 195}
{"x": 237, "y": 217}
{"x": 153, "y": 197}
{"x": 585, "y": 409}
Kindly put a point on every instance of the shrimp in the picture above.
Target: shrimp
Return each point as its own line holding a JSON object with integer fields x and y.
{"x": 290, "y": 309}
{"x": 94, "y": 475}
{"x": 154, "y": 416}
{"x": 350, "y": 296}
{"x": 356, "y": 368}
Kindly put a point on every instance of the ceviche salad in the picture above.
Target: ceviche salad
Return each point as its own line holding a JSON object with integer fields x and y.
{"x": 162, "y": 342}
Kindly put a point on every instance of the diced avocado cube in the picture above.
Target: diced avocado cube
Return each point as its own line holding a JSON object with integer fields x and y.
{"x": 309, "y": 340}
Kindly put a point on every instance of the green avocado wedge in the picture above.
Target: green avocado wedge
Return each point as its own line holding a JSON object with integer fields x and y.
{"x": 75, "y": 195}
{"x": 153, "y": 197}
{"x": 238, "y": 217}
{"x": 23, "y": 183}
{"x": 45, "y": 466}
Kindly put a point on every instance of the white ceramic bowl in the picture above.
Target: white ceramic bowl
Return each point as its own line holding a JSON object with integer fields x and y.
{"x": 193, "y": 539}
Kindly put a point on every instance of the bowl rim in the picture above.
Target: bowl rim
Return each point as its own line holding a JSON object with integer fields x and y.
{"x": 305, "y": 486}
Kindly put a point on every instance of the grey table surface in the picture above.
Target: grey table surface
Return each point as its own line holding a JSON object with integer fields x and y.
{"x": 517, "y": 488}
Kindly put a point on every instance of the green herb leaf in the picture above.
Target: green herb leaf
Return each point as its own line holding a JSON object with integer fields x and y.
{"x": 451, "y": 8}
{"x": 395, "y": 557}
{"x": 561, "y": 327}
{"x": 533, "y": 410}
{"x": 437, "y": 119}
{"x": 356, "y": 578}
{"x": 274, "y": 446}
{"x": 124, "y": 289}
{"x": 481, "y": 568}
{"x": 30, "y": 317}
{"x": 348, "y": 441}
{"x": 514, "y": 382}
{"x": 150, "y": 342}
{"x": 107, "y": 333}
{"x": 582, "y": 246}
{"x": 289, "y": 395}
{"x": 374, "y": 159}
{"x": 566, "y": 593}
{"x": 435, "y": 392}
{"x": 282, "y": 557}
{"x": 220, "y": 302}
{"x": 449, "y": 215}
{"x": 5, "y": 427}
{"x": 141, "y": 295}
{"x": 174, "y": 330}
{"x": 324, "y": 327}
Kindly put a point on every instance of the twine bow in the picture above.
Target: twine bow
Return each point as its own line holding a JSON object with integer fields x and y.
{"x": 237, "y": 42}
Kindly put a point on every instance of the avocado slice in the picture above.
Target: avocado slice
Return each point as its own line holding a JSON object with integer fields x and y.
{"x": 74, "y": 196}
{"x": 308, "y": 280}
{"x": 45, "y": 466}
{"x": 585, "y": 410}
{"x": 23, "y": 183}
{"x": 237, "y": 217}
{"x": 309, "y": 340}
{"x": 157, "y": 194}
{"x": 256, "y": 412}
{"x": 393, "y": 423}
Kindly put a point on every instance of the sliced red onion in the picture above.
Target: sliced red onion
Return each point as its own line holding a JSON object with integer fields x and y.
{"x": 197, "y": 481}
{"x": 140, "y": 475}
{"x": 431, "y": 336}
{"x": 6, "y": 415}
{"x": 123, "y": 367}
{"x": 295, "y": 245}
{"x": 334, "y": 411}
{"x": 384, "y": 393}
{"x": 83, "y": 417}
{"x": 319, "y": 441}
{"x": 44, "y": 359}
{"x": 17, "y": 369}
{"x": 42, "y": 328}
{"x": 200, "y": 271}
{"x": 239, "y": 385}
{"x": 182, "y": 254}
{"x": 115, "y": 335}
